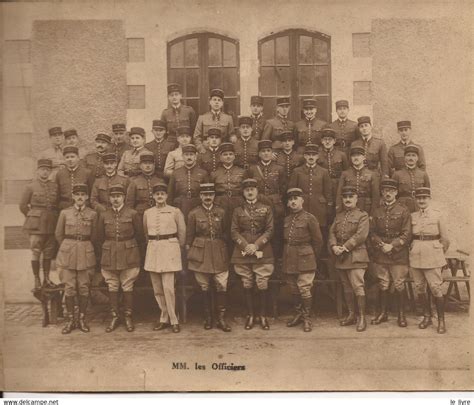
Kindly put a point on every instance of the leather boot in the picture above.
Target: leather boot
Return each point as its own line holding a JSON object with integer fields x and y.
{"x": 46, "y": 270}
{"x": 35, "y": 266}
{"x": 402, "y": 321}
{"x": 298, "y": 318}
{"x": 426, "y": 321}
{"x": 263, "y": 310}
{"x": 128, "y": 310}
{"x": 221, "y": 308}
{"x": 207, "y": 298}
{"x": 361, "y": 322}
{"x": 83, "y": 300}
{"x": 113, "y": 298}
{"x": 439, "y": 301}
{"x": 307, "y": 325}
{"x": 44, "y": 306}
{"x": 70, "y": 323}
{"x": 382, "y": 316}
{"x": 249, "y": 303}
{"x": 350, "y": 319}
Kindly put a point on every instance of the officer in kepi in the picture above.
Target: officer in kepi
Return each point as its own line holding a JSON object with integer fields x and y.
{"x": 302, "y": 245}
{"x": 430, "y": 243}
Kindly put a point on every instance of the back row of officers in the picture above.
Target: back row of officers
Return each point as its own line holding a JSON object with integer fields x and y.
{"x": 274, "y": 196}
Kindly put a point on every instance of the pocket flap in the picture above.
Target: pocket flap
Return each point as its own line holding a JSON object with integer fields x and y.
{"x": 131, "y": 243}
{"x": 305, "y": 251}
{"x": 198, "y": 242}
{"x": 322, "y": 199}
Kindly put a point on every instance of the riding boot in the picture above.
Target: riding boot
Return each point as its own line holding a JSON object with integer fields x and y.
{"x": 263, "y": 310}
{"x": 298, "y": 318}
{"x": 221, "y": 308}
{"x": 382, "y": 316}
{"x": 249, "y": 303}
{"x": 128, "y": 310}
{"x": 361, "y": 322}
{"x": 402, "y": 321}
{"x": 439, "y": 301}
{"x": 46, "y": 270}
{"x": 83, "y": 301}
{"x": 35, "y": 266}
{"x": 113, "y": 298}
{"x": 426, "y": 321}
{"x": 307, "y": 303}
{"x": 207, "y": 298}
{"x": 350, "y": 319}
{"x": 70, "y": 322}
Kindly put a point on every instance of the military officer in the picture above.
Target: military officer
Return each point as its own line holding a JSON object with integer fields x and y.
{"x": 347, "y": 237}
{"x": 76, "y": 233}
{"x": 258, "y": 120}
{"x": 161, "y": 145}
{"x": 70, "y": 175}
{"x": 177, "y": 114}
{"x": 307, "y": 129}
{"x": 119, "y": 230}
{"x": 390, "y": 233}
{"x": 174, "y": 160}
{"x": 130, "y": 163}
{"x": 287, "y": 157}
{"x": 346, "y": 129}
{"x": 215, "y": 118}
{"x": 364, "y": 180}
{"x": 39, "y": 204}
{"x": 279, "y": 123}
{"x": 183, "y": 188}
{"x": 55, "y": 152}
{"x": 430, "y": 243}
{"x": 302, "y": 245}
{"x": 165, "y": 232}
{"x": 396, "y": 153}
{"x": 410, "y": 177}
{"x": 252, "y": 230}
{"x": 208, "y": 256}
{"x": 210, "y": 159}
{"x": 375, "y": 149}
{"x": 119, "y": 143}
{"x": 93, "y": 160}
{"x": 71, "y": 138}
{"x": 246, "y": 145}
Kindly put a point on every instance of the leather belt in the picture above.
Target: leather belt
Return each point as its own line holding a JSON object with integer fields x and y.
{"x": 78, "y": 237}
{"x": 426, "y": 237}
{"x": 161, "y": 237}
{"x": 389, "y": 235}
{"x": 119, "y": 239}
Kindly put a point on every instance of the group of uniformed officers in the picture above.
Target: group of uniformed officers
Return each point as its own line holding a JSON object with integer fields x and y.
{"x": 272, "y": 197}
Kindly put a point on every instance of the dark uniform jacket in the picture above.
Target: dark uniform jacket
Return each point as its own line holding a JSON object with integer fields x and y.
{"x": 335, "y": 161}
{"x": 346, "y": 133}
{"x": 375, "y": 154}
{"x": 258, "y": 125}
{"x": 350, "y": 229}
{"x": 183, "y": 116}
{"x": 209, "y": 160}
{"x": 390, "y": 224}
{"x": 274, "y": 127}
{"x": 209, "y": 120}
{"x": 303, "y": 242}
{"x": 289, "y": 162}
{"x": 39, "y": 203}
{"x": 252, "y": 224}
{"x": 396, "y": 156}
{"x": 161, "y": 150}
{"x": 206, "y": 235}
{"x": 246, "y": 152}
{"x": 65, "y": 180}
{"x": 119, "y": 149}
{"x": 317, "y": 190}
{"x": 408, "y": 181}
{"x": 308, "y": 132}
{"x": 271, "y": 181}
{"x": 93, "y": 161}
{"x": 100, "y": 200}
{"x": 140, "y": 192}
{"x": 118, "y": 234}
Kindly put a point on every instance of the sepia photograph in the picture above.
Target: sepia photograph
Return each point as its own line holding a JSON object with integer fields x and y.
{"x": 236, "y": 196}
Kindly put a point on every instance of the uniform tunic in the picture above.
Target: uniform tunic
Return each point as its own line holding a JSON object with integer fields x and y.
{"x": 396, "y": 156}
{"x": 308, "y": 132}
{"x": 130, "y": 163}
{"x": 289, "y": 162}
{"x": 367, "y": 185}
{"x": 67, "y": 178}
{"x": 246, "y": 152}
{"x": 161, "y": 150}
{"x": 209, "y": 160}
{"x": 93, "y": 161}
{"x": 271, "y": 184}
{"x": 100, "y": 200}
{"x": 335, "y": 161}
{"x": 182, "y": 116}
{"x": 258, "y": 124}
{"x": 408, "y": 181}
{"x": 174, "y": 161}
{"x": 228, "y": 188}
{"x": 209, "y": 120}
{"x": 375, "y": 154}
{"x": 55, "y": 154}
{"x": 274, "y": 127}
{"x": 140, "y": 192}
{"x": 346, "y": 133}
{"x": 119, "y": 149}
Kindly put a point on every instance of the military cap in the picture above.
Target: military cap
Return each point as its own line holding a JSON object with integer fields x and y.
{"x": 70, "y": 132}
{"x": 207, "y": 188}
{"x": 45, "y": 163}
{"x": 357, "y": 150}
{"x": 309, "y": 103}
{"x": 412, "y": 149}
{"x": 172, "y": 87}
{"x": 70, "y": 149}
{"x": 79, "y": 187}
{"x": 183, "y": 131}
{"x": 283, "y": 101}
{"x": 147, "y": 157}
{"x": 118, "y": 127}
{"x": 285, "y": 135}
{"x": 423, "y": 192}
{"x": 349, "y": 190}
{"x": 116, "y": 189}
{"x": 137, "y": 131}
{"x": 249, "y": 183}
{"x": 363, "y": 120}
{"x": 214, "y": 132}
{"x": 109, "y": 157}
{"x": 264, "y": 144}
{"x": 389, "y": 183}
{"x": 160, "y": 187}
{"x": 217, "y": 93}
{"x": 403, "y": 124}
{"x": 103, "y": 137}
{"x": 342, "y": 103}
{"x": 328, "y": 133}
{"x": 159, "y": 124}
{"x": 311, "y": 148}
{"x": 294, "y": 192}
{"x": 226, "y": 147}
{"x": 256, "y": 100}
{"x": 189, "y": 148}
{"x": 245, "y": 120}
{"x": 55, "y": 131}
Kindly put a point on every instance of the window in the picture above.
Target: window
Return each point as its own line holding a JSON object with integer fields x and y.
{"x": 200, "y": 62}
{"x": 296, "y": 63}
